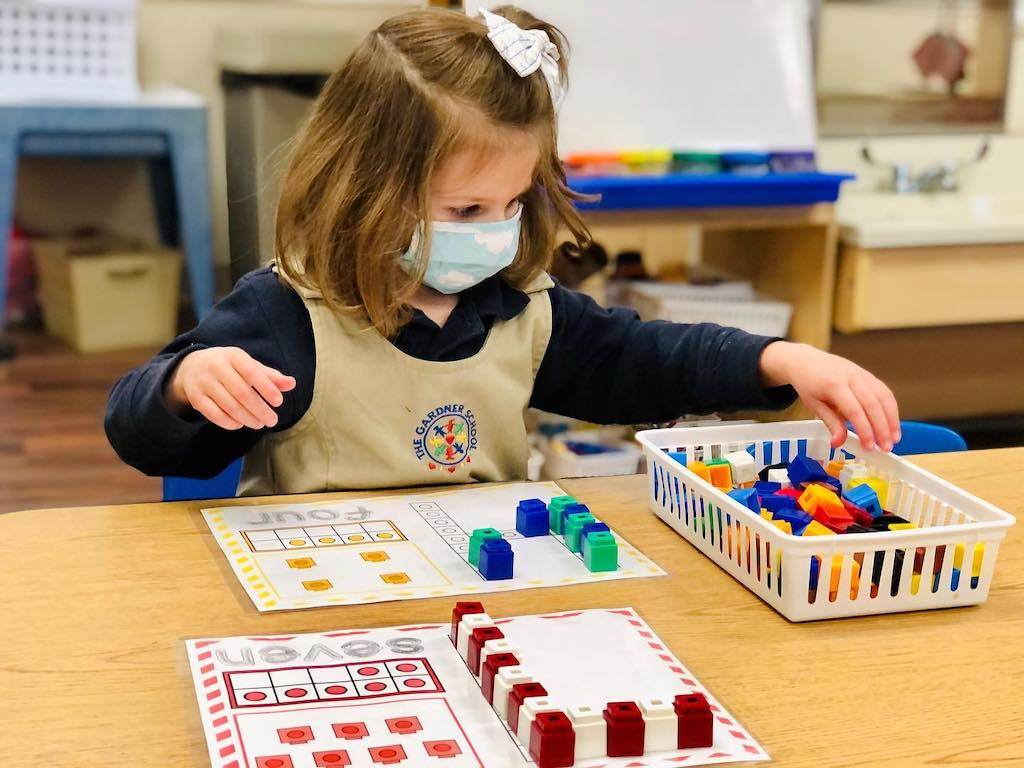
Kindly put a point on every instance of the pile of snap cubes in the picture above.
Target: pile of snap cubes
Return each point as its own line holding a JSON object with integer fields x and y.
{"x": 564, "y": 517}
{"x": 808, "y": 497}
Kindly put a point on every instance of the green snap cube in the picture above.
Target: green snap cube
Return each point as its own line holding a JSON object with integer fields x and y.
{"x": 555, "y": 507}
{"x": 478, "y": 537}
{"x": 600, "y": 552}
{"x": 574, "y": 527}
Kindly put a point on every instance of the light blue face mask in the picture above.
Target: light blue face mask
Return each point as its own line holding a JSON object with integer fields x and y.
{"x": 463, "y": 254}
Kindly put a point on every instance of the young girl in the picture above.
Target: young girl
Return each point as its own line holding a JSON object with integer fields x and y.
{"x": 409, "y": 321}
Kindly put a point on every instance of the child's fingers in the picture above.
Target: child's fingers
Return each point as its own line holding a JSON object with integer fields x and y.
{"x": 256, "y": 376}
{"x": 228, "y": 403}
{"x": 868, "y": 397}
{"x": 836, "y": 426}
{"x": 281, "y": 381}
{"x": 241, "y": 390}
{"x": 850, "y": 407}
{"x": 892, "y": 410}
{"x": 214, "y": 414}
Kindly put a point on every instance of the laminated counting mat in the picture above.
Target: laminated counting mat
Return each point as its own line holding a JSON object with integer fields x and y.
{"x": 588, "y": 688}
{"x": 402, "y": 547}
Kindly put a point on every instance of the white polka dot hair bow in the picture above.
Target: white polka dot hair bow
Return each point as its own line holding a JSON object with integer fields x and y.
{"x": 526, "y": 51}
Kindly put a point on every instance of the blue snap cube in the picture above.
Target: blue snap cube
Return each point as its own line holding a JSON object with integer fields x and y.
{"x": 775, "y": 502}
{"x": 747, "y": 497}
{"x": 572, "y": 509}
{"x": 805, "y": 470}
{"x": 797, "y": 519}
{"x": 864, "y": 496}
{"x": 595, "y": 526}
{"x": 495, "y": 559}
{"x": 764, "y": 487}
{"x": 678, "y": 456}
{"x": 532, "y": 518}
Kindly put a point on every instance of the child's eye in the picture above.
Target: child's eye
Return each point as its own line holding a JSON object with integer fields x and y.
{"x": 465, "y": 213}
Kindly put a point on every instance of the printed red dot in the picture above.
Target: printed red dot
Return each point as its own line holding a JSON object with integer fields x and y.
{"x": 403, "y": 723}
{"x": 406, "y": 667}
{"x": 273, "y": 762}
{"x": 375, "y": 687}
{"x": 388, "y": 752}
{"x": 296, "y": 734}
{"x": 334, "y": 757}
{"x": 414, "y": 682}
{"x": 336, "y": 690}
{"x": 350, "y": 729}
{"x": 295, "y": 693}
{"x": 438, "y": 748}
{"x": 368, "y": 671}
{"x": 254, "y": 696}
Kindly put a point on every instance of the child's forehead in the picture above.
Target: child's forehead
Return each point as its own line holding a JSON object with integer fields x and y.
{"x": 487, "y": 172}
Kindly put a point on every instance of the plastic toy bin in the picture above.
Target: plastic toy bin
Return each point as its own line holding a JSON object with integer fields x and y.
{"x": 855, "y": 574}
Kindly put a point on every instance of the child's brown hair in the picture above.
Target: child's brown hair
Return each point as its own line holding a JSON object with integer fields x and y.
{"x": 420, "y": 87}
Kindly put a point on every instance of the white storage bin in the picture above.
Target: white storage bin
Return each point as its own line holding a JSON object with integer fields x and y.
{"x": 684, "y": 303}
{"x": 79, "y": 50}
{"x": 560, "y": 461}
{"x": 777, "y": 566}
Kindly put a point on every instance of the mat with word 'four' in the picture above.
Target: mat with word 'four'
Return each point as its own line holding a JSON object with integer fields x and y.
{"x": 405, "y": 695}
{"x": 396, "y": 547}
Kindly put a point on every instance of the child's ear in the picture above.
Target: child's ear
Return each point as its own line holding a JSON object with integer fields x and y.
{"x": 572, "y": 265}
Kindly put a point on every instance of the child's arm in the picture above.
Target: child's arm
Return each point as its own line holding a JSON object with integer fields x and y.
{"x": 607, "y": 366}
{"x": 193, "y": 409}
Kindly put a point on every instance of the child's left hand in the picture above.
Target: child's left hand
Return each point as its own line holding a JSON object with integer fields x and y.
{"x": 837, "y": 391}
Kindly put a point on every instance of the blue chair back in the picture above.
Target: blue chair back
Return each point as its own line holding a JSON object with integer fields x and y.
{"x": 918, "y": 437}
{"x": 222, "y": 486}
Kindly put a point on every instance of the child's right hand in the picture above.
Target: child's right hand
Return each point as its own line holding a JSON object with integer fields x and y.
{"x": 229, "y": 387}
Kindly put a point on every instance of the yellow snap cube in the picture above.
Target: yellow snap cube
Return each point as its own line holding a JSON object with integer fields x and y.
{"x": 814, "y": 528}
{"x": 700, "y": 469}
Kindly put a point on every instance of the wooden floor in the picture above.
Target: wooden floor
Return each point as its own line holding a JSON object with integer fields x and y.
{"x": 53, "y": 451}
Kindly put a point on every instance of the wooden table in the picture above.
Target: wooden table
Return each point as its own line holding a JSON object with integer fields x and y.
{"x": 97, "y": 601}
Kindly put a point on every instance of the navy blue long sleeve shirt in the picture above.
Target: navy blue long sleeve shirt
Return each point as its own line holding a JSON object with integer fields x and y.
{"x": 601, "y": 365}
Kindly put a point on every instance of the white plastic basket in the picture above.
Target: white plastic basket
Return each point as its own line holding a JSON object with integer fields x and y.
{"x": 684, "y": 303}
{"x": 776, "y": 566}
{"x": 81, "y": 50}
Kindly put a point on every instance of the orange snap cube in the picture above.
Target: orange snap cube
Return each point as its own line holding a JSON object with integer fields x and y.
{"x": 837, "y": 566}
{"x": 835, "y": 467}
{"x": 721, "y": 476}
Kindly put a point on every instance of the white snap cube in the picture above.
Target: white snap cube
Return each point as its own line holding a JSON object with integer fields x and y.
{"x": 466, "y": 627}
{"x": 532, "y": 707}
{"x": 661, "y": 725}
{"x": 850, "y": 471}
{"x": 496, "y": 646}
{"x": 780, "y": 476}
{"x": 503, "y": 682}
{"x": 591, "y": 732}
{"x": 743, "y": 468}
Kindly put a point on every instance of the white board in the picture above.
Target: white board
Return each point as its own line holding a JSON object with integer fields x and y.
{"x": 398, "y": 695}
{"x": 395, "y": 547}
{"x": 684, "y": 74}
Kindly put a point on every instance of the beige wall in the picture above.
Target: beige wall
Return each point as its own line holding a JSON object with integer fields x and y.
{"x": 176, "y": 46}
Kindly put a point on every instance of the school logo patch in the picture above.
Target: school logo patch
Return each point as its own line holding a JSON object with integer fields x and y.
{"x": 446, "y": 437}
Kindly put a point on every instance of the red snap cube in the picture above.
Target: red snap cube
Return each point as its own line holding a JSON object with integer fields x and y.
{"x": 552, "y": 740}
{"x": 519, "y": 692}
{"x": 490, "y": 668}
{"x": 695, "y": 723}
{"x": 476, "y": 642}
{"x": 463, "y": 608}
{"x": 625, "y": 729}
